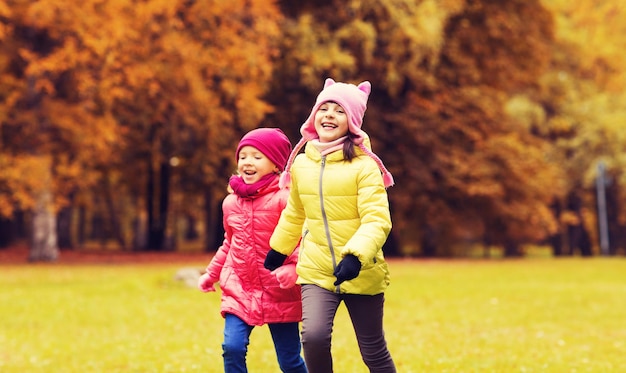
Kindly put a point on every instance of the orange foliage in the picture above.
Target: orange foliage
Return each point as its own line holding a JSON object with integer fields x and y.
{"x": 97, "y": 82}
{"x": 468, "y": 98}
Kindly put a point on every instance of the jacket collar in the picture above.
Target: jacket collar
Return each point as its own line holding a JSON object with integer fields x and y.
{"x": 336, "y": 156}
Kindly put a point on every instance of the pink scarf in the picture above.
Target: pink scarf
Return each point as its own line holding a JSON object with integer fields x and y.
{"x": 248, "y": 190}
{"x": 329, "y": 147}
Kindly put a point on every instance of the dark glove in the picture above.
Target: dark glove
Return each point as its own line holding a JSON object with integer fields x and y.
{"x": 274, "y": 259}
{"x": 347, "y": 269}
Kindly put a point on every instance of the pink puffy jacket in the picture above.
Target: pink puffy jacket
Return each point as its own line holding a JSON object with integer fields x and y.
{"x": 250, "y": 291}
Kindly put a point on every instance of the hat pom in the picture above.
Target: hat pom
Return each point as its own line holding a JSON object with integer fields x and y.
{"x": 388, "y": 179}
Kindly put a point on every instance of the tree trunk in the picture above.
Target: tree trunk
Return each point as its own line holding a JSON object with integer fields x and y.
{"x": 487, "y": 243}
{"x": 81, "y": 225}
{"x": 64, "y": 228}
{"x": 113, "y": 218}
{"x": 579, "y": 239}
{"x": 578, "y": 236}
{"x": 44, "y": 239}
{"x": 556, "y": 240}
{"x": 617, "y": 237}
{"x": 140, "y": 233}
{"x": 512, "y": 249}
{"x": 214, "y": 227}
{"x": 191, "y": 232}
{"x": 21, "y": 229}
{"x": 157, "y": 215}
{"x": 150, "y": 206}
{"x": 164, "y": 203}
{"x": 6, "y": 232}
{"x": 98, "y": 229}
{"x": 428, "y": 242}
{"x": 585, "y": 242}
{"x": 391, "y": 247}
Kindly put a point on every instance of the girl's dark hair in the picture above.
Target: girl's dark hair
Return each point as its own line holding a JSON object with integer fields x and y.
{"x": 348, "y": 147}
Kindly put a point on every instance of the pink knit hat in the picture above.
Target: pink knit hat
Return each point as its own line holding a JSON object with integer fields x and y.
{"x": 353, "y": 99}
{"x": 270, "y": 141}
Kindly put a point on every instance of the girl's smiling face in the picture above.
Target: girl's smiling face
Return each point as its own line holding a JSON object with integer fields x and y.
{"x": 252, "y": 165}
{"x": 331, "y": 122}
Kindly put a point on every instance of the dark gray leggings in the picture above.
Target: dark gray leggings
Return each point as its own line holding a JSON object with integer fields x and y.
{"x": 319, "y": 307}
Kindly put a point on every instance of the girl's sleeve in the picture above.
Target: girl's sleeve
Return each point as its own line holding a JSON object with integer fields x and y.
{"x": 373, "y": 207}
{"x": 293, "y": 258}
{"x": 217, "y": 263}
{"x": 288, "y": 231}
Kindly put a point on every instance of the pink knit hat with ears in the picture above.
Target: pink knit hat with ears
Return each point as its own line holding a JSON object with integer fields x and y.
{"x": 353, "y": 99}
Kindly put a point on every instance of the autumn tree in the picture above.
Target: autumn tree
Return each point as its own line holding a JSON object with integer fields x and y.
{"x": 443, "y": 74}
{"x": 33, "y": 136}
{"x": 191, "y": 83}
{"x": 121, "y": 98}
{"x": 492, "y": 115}
{"x": 9, "y": 164}
{"x": 582, "y": 110}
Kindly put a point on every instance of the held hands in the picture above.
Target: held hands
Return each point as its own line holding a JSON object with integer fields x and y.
{"x": 205, "y": 283}
{"x": 286, "y": 276}
{"x": 274, "y": 259}
{"x": 347, "y": 269}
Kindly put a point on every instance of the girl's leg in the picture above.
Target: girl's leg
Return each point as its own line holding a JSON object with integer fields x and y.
{"x": 366, "y": 313}
{"x": 286, "y": 337}
{"x": 235, "y": 346}
{"x": 319, "y": 307}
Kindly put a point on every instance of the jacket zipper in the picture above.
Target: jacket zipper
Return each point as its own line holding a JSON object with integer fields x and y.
{"x": 325, "y": 219}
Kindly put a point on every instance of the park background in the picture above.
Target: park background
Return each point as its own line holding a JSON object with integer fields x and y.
{"x": 502, "y": 122}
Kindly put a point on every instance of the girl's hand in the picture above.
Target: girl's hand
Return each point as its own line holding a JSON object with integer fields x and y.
{"x": 205, "y": 283}
{"x": 347, "y": 269}
{"x": 274, "y": 259}
{"x": 286, "y": 276}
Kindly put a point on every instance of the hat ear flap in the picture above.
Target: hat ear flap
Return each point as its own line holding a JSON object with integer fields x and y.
{"x": 328, "y": 82}
{"x": 365, "y": 87}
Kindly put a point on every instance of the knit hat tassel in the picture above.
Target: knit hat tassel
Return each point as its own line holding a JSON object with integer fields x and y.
{"x": 285, "y": 180}
{"x": 285, "y": 177}
{"x": 387, "y": 178}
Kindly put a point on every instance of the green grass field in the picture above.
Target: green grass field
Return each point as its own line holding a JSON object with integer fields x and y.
{"x": 529, "y": 315}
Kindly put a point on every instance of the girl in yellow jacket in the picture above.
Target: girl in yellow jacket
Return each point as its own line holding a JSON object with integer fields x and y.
{"x": 338, "y": 206}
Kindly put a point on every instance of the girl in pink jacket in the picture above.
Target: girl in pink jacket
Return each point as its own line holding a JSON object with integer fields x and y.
{"x": 252, "y": 295}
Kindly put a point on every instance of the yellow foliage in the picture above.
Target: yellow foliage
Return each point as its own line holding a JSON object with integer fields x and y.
{"x": 22, "y": 178}
{"x": 598, "y": 29}
{"x": 569, "y": 218}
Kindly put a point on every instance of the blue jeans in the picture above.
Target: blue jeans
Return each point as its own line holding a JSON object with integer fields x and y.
{"x": 286, "y": 337}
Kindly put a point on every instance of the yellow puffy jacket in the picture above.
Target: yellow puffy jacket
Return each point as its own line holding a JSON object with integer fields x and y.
{"x": 337, "y": 208}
